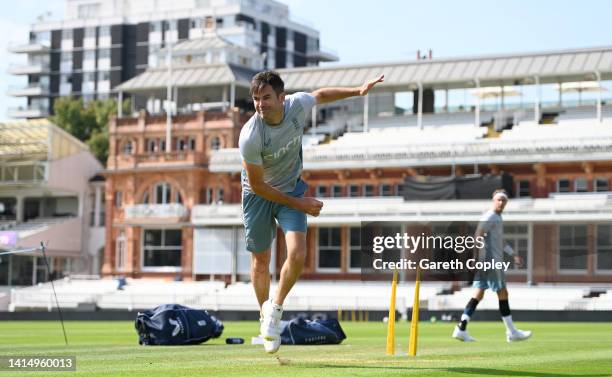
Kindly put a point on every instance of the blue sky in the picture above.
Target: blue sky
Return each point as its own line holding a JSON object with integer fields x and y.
{"x": 391, "y": 30}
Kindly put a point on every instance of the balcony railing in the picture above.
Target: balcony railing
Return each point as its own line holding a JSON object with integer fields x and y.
{"x": 33, "y": 89}
{"x": 28, "y": 68}
{"x": 165, "y": 157}
{"x": 558, "y": 208}
{"x": 30, "y": 47}
{"x": 155, "y": 211}
{"x": 27, "y": 112}
{"x": 158, "y": 159}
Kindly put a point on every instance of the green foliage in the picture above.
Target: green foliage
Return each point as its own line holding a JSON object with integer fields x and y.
{"x": 87, "y": 122}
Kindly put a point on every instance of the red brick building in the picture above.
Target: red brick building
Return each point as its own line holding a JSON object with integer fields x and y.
{"x": 177, "y": 213}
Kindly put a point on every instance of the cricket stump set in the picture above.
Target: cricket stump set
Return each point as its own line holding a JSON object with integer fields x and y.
{"x": 414, "y": 322}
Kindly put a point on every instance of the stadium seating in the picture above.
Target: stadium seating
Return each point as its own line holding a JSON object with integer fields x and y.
{"x": 582, "y": 112}
{"x": 522, "y": 297}
{"x": 7, "y": 224}
{"x": 411, "y": 136}
{"x": 436, "y": 119}
{"x": 141, "y": 294}
{"x": 70, "y": 293}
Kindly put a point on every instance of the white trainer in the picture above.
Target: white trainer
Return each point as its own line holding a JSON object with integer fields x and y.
{"x": 270, "y": 326}
{"x": 462, "y": 335}
{"x": 518, "y": 335}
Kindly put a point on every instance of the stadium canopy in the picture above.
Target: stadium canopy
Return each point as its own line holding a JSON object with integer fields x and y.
{"x": 452, "y": 73}
{"x": 36, "y": 140}
{"x": 560, "y": 66}
{"x": 196, "y": 81}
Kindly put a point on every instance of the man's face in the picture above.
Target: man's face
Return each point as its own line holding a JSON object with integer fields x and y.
{"x": 499, "y": 203}
{"x": 268, "y": 104}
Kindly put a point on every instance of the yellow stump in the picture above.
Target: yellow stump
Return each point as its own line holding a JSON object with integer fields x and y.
{"x": 391, "y": 323}
{"x": 414, "y": 324}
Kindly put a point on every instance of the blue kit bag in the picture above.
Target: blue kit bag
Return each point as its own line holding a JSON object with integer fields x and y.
{"x": 304, "y": 331}
{"x": 174, "y": 324}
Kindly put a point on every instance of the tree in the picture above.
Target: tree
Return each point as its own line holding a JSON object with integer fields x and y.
{"x": 87, "y": 122}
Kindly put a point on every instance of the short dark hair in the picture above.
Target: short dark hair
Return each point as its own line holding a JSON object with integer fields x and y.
{"x": 264, "y": 78}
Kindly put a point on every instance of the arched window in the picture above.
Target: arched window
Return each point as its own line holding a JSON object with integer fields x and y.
{"x": 151, "y": 145}
{"x": 215, "y": 144}
{"x": 128, "y": 147}
{"x": 162, "y": 193}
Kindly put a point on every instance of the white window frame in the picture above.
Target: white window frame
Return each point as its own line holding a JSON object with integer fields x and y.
{"x": 215, "y": 143}
{"x": 349, "y": 246}
{"x": 570, "y": 271}
{"x": 120, "y": 253}
{"x": 364, "y": 191}
{"x": 518, "y": 188}
{"x": 515, "y": 238}
{"x": 328, "y": 269}
{"x": 219, "y": 195}
{"x": 381, "y": 189}
{"x": 166, "y": 193}
{"x": 152, "y": 145}
{"x": 569, "y": 182}
{"x": 597, "y": 270}
{"x": 582, "y": 181}
{"x": 128, "y": 148}
{"x": 142, "y": 251}
{"x": 209, "y": 195}
{"x": 333, "y": 190}
{"x": 603, "y": 179}
{"x": 118, "y": 199}
{"x": 319, "y": 194}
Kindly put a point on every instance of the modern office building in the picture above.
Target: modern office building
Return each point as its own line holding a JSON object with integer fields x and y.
{"x": 100, "y": 44}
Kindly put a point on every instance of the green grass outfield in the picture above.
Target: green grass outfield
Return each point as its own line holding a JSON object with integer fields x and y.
{"x": 111, "y": 349}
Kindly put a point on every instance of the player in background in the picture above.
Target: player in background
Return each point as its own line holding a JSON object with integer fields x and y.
{"x": 491, "y": 227}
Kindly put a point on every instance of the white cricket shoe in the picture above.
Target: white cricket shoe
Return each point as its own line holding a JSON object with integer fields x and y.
{"x": 517, "y": 335}
{"x": 462, "y": 335}
{"x": 270, "y": 326}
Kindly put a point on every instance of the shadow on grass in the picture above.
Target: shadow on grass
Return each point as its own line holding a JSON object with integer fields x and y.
{"x": 470, "y": 371}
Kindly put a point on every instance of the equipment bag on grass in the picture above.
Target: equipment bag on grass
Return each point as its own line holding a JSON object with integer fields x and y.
{"x": 174, "y": 324}
{"x": 304, "y": 331}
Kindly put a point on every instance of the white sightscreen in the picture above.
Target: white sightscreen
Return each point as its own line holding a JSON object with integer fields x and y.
{"x": 213, "y": 250}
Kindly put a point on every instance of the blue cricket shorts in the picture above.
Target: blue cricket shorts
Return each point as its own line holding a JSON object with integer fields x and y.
{"x": 493, "y": 280}
{"x": 260, "y": 216}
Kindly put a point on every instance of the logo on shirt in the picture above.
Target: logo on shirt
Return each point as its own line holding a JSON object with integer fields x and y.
{"x": 281, "y": 151}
